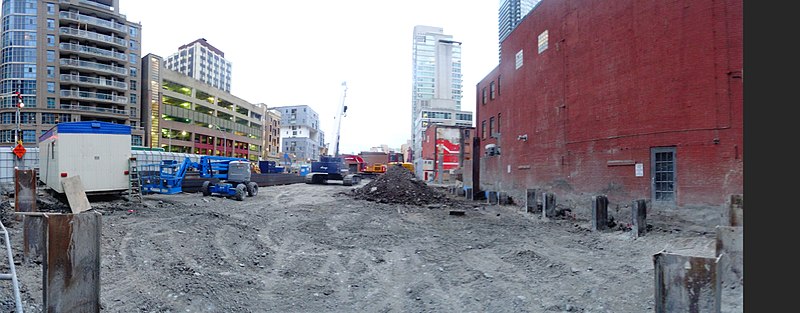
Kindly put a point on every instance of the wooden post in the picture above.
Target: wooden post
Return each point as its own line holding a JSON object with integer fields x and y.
{"x": 530, "y": 200}
{"x": 548, "y": 204}
{"x": 491, "y": 197}
{"x": 639, "y": 217}
{"x": 599, "y": 213}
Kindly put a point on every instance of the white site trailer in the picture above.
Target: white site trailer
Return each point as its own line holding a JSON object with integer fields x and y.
{"x": 96, "y": 151}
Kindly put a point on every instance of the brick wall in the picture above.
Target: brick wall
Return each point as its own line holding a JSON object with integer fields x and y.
{"x": 617, "y": 79}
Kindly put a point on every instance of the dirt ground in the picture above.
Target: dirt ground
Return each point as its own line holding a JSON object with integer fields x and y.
{"x": 327, "y": 248}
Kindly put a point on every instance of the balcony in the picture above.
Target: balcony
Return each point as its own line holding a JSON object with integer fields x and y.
{"x": 94, "y": 66}
{"x": 93, "y": 81}
{"x": 91, "y": 20}
{"x": 94, "y": 96}
{"x": 95, "y": 4}
{"x": 94, "y": 51}
{"x": 86, "y": 108}
{"x": 79, "y": 33}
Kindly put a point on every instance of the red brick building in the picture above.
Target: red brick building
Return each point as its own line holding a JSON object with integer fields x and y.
{"x": 631, "y": 99}
{"x": 445, "y": 149}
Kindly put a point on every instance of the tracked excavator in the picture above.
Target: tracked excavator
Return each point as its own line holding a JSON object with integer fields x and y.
{"x": 333, "y": 167}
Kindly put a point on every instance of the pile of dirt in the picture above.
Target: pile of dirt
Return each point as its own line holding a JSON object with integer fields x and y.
{"x": 399, "y": 186}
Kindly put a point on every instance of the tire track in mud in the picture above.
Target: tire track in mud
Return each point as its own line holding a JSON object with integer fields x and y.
{"x": 179, "y": 263}
{"x": 307, "y": 251}
{"x": 129, "y": 257}
{"x": 306, "y": 248}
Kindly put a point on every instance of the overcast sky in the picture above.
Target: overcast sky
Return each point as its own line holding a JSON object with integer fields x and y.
{"x": 299, "y": 53}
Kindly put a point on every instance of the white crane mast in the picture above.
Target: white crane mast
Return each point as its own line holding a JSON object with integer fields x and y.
{"x": 342, "y": 113}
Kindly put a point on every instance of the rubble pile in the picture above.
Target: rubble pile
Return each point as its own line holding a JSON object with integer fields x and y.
{"x": 399, "y": 186}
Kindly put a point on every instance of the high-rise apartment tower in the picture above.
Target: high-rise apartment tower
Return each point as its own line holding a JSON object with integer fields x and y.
{"x": 436, "y": 85}
{"x": 202, "y": 61}
{"x": 511, "y": 14}
{"x": 70, "y": 60}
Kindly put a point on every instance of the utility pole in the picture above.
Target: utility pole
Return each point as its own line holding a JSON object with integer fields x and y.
{"x": 441, "y": 162}
{"x": 439, "y": 154}
{"x": 20, "y": 162}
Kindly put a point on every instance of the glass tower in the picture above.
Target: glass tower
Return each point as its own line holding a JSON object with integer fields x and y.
{"x": 511, "y": 14}
{"x": 436, "y": 82}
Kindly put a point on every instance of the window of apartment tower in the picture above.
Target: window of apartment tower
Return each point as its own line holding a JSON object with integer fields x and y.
{"x": 483, "y": 95}
{"x": 483, "y": 129}
{"x": 491, "y": 126}
{"x": 491, "y": 90}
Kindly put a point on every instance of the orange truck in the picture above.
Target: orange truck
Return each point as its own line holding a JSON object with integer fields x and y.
{"x": 375, "y": 169}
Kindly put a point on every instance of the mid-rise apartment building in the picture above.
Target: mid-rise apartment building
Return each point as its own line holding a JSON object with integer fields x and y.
{"x": 272, "y": 135}
{"x": 301, "y": 136}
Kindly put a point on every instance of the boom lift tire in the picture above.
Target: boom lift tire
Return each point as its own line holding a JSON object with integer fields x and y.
{"x": 252, "y": 189}
{"x": 205, "y": 188}
{"x": 240, "y": 192}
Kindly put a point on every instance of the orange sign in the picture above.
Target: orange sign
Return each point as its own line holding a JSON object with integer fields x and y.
{"x": 19, "y": 150}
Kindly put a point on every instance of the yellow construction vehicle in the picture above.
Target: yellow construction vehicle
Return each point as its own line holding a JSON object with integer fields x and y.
{"x": 408, "y": 165}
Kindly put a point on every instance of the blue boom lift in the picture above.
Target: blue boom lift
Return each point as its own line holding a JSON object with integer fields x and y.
{"x": 233, "y": 175}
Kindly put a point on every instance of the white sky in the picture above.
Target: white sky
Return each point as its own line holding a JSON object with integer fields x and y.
{"x": 299, "y": 52}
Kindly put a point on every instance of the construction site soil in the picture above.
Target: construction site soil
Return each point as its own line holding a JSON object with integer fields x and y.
{"x": 386, "y": 245}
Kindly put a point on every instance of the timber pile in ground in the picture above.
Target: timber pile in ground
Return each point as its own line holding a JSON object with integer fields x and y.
{"x": 399, "y": 186}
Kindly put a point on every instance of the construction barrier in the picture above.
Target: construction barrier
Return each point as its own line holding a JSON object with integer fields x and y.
{"x": 30, "y": 159}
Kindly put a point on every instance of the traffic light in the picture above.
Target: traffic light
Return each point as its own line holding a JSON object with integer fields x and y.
{"x": 20, "y": 103}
